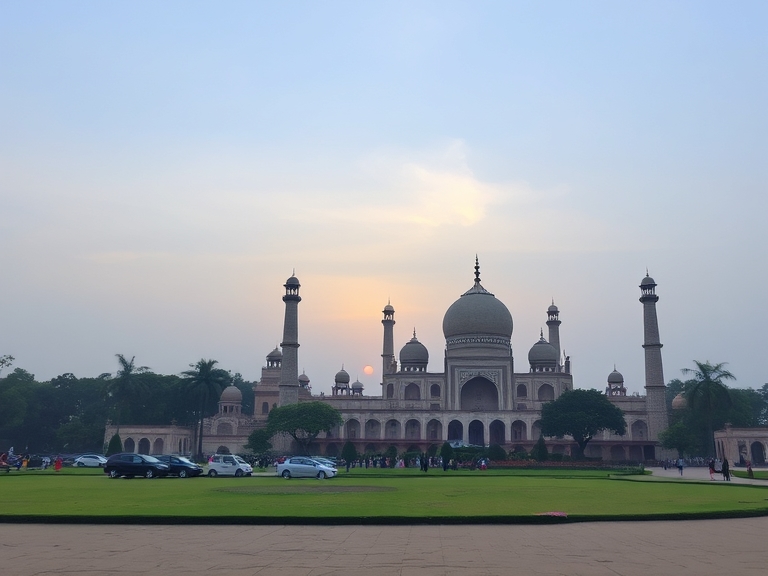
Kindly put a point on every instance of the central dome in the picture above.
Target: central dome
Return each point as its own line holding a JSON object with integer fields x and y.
{"x": 477, "y": 312}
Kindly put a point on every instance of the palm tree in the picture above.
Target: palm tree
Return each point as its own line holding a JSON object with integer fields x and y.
{"x": 206, "y": 382}
{"x": 708, "y": 393}
{"x": 126, "y": 385}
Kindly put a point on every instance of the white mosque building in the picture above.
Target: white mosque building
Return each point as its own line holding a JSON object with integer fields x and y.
{"x": 480, "y": 397}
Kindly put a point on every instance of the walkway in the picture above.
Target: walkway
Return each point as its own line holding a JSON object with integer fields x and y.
{"x": 695, "y": 548}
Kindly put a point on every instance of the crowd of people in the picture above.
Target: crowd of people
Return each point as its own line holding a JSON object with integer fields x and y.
{"x": 21, "y": 462}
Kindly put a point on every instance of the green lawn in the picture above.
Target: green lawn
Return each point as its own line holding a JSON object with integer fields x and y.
{"x": 759, "y": 474}
{"x": 404, "y": 494}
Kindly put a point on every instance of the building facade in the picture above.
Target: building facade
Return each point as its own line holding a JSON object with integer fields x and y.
{"x": 481, "y": 397}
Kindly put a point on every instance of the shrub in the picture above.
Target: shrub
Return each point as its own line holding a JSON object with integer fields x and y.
{"x": 539, "y": 452}
{"x": 115, "y": 445}
{"x": 349, "y": 452}
{"x": 496, "y": 452}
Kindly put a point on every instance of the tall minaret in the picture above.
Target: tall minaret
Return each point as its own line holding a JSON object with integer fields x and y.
{"x": 553, "y": 322}
{"x": 655, "y": 389}
{"x": 289, "y": 373}
{"x": 388, "y": 364}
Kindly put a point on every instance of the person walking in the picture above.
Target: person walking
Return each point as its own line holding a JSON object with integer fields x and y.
{"x": 726, "y": 470}
{"x": 680, "y": 465}
{"x": 711, "y": 468}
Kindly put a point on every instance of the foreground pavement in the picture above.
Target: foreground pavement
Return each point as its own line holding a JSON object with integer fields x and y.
{"x": 701, "y": 548}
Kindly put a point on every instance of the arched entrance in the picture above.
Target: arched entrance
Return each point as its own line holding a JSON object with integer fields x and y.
{"x": 479, "y": 394}
{"x": 758, "y": 454}
{"x": 144, "y": 446}
{"x": 536, "y": 430}
{"x": 158, "y": 446}
{"x": 519, "y": 430}
{"x": 392, "y": 429}
{"x": 455, "y": 431}
{"x": 434, "y": 430}
{"x": 546, "y": 393}
{"x": 224, "y": 429}
{"x": 373, "y": 429}
{"x": 412, "y": 392}
{"x": 129, "y": 445}
{"x": 639, "y": 430}
{"x": 476, "y": 433}
{"x": 497, "y": 432}
{"x": 352, "y": 429}
{"x": 413, "y": 430}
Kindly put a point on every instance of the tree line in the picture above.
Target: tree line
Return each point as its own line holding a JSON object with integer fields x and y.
{"x": 709, "y": 403}
{"x": 68, "y": 414}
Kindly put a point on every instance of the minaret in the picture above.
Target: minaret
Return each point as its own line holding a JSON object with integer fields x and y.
{"x": 388, "y": 364}
{"x": 289, "y": 373}
{"x": 553, "y": 322}
{"x": 655, "y": 389}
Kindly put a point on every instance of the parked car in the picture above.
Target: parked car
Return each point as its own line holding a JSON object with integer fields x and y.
{"x": 92, "y": 460}
{"x": 181, "y": 466}
{"x": 326, "y": 461}
{"x": 304, "y": 467}
{"x": 228, "y": 465}
{"x": 130, "y": 465}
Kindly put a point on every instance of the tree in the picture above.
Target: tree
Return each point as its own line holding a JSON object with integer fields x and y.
{"x": 115, "y": 445}
{"x": 446, "y": 453}
{"x": 204, "y": 381}
{"x": 539, "y": 452}
{"x": 303, "y": 421}
{"x": 679, "y": 436}
{"x": 708, "y": 393}
{"x": 349, "y": 452}
{"x": 258, "y": 441}
{"x": 582, "y": 414}
{"x": 496, "y": 453}
{"x": 126, "y": 385}
{"x": 6, "y": 362}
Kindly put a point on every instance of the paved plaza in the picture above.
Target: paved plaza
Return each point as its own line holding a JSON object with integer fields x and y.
{"x": 735, "y": 547}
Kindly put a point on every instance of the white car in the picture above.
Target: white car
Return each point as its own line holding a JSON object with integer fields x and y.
{"x": 92, "y": 460}
{"x": 228, "y": 465}
{"x": 304, "y": 467}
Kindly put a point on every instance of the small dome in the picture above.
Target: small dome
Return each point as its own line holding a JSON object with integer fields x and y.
{"x": 342, "y": 377}
{"x": 552, "y": 309}
{"x": 304, "y": 378}
{"x": 679, "y": 402}
{"x": 292, "y": 281}
{"x": 357, "y": 385}
{"x": 414, "y": 352}
{"x": 647, "y": 281}
{"x": 231, "y": 394}
{"x": 615, "y": 377}
{"x": 543, "y": 353}
{"x": 276, "y": 354}
{"x": 389, "y": 309}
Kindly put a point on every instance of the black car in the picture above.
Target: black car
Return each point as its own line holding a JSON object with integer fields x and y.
{"x": 130, "y": 465}
{"x": 181, "y": 467}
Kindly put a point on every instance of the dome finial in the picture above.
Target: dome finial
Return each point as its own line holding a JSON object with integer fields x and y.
{"x": 541, "y": 333}
{"x": 477, "y": 270}
{"x": 414, "y": 331}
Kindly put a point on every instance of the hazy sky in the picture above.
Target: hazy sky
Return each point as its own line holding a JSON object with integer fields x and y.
{"x": 165, "y": 166}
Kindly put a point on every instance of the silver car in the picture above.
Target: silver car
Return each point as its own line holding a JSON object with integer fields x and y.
{"x": 304, "y": 467}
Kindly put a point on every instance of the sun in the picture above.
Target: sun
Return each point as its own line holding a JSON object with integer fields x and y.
{"x": 368, "y": 370}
